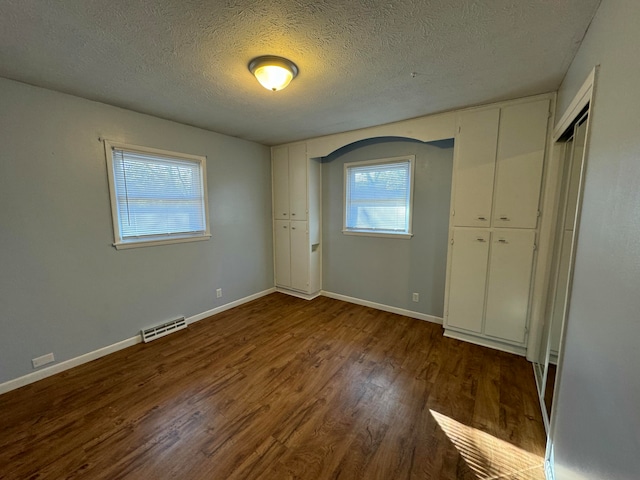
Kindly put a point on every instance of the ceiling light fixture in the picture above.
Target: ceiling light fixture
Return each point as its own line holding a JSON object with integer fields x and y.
{"x": 273, "y": 73}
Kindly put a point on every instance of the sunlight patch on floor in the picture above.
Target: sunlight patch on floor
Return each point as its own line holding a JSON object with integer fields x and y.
{"x": 489, "y": 457}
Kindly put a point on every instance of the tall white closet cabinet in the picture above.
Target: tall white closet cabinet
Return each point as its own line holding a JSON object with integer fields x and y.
{"x": 499, "y": 157}
{"x": 296, "y": 219}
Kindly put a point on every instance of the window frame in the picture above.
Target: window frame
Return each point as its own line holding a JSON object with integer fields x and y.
{"x": 380, "y": 233}
{"x": 147, "y": 241}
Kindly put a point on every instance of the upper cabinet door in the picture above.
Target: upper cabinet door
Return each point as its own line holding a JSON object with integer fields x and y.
{"x": 521, "y": 146}
{"x": 298, "y": 182}
{"x": 281, "y": 183}
{"x": 474, "y": 166}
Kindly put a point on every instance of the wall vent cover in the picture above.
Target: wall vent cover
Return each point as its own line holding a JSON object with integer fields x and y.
{"x": 158, "y": 331}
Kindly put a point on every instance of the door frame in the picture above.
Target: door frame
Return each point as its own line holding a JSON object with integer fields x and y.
{"x": 583, "y": 98}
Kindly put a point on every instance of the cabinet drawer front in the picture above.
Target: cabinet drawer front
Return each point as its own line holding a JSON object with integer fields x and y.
{"x": 520, "y": 158}
{"x": 510, "y": 268}
{"x": 467, "y": 281}
{"x": 474, "y": 167}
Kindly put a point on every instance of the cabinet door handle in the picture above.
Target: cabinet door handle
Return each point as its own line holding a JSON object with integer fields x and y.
{"x": 284, "y": 226}
{"x": 482, "y": 218}
{"x": 480, "y": 240}
{"x": 293, "y": 214}
{"x": 504, "y": 218}
{"x": 293, "y": 228}
{"x": 502, "y": 240}
{"x": 284, "y": 214}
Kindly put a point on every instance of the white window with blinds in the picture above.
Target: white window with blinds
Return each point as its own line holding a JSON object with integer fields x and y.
{"x": 157, "y": 197}
{"x": 378, "y": 197}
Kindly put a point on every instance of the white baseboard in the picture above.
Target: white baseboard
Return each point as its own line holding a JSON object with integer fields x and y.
{"x": 486, "y": 342}
{"x": 293, "y": 293}
{"x": 66, "y": 365}
{"x": 228, "y": 306}
{"x": 385, "y": 308}
{"x": 101, "y": 352}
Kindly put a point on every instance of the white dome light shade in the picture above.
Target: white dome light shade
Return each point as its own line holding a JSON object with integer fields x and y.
{"x": 273, "y": 77}
{"x": 273, "y": 73}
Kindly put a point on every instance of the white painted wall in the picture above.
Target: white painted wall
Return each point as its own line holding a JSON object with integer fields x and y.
{"x": 597, "y": 406}
{"x": 63, "y": 286}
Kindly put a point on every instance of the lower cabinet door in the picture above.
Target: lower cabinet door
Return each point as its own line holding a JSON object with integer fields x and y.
{"x": 467, "y": 279}
{"x": 510, "y": 269}
{"x": 283, "y": 253}
{"x": 299, "y": 255}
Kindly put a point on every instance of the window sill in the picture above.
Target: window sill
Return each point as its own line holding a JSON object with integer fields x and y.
{"x": 165, "y": 241}
{"x": 405, "y": 236}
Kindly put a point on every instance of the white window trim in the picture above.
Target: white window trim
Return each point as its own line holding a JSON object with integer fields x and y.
{"x": 379, "y": 161}
{"x": 118, "y": 242}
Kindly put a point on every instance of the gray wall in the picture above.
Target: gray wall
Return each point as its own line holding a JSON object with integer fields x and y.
{"x": 597, "y": 430}
{"x": 389, "y": 270}
{"x": 63, "y": 287}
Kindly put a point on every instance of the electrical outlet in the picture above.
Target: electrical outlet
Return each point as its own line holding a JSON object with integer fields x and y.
{"x": 43, "y": 360}
{"x": 416, "y": 297}
{"x": 218, "y": 292}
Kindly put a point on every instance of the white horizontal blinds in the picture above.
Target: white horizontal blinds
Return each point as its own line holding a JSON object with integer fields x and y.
{"x": 158, "y": 195}
{"x": 378, "y": 197}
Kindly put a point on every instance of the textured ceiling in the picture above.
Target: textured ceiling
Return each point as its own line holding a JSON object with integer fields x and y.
{"x": 186, "y": 60}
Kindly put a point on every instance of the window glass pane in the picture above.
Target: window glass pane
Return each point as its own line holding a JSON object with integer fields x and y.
{"x": 158, "y": 196}
{"x": 378, "y": 197}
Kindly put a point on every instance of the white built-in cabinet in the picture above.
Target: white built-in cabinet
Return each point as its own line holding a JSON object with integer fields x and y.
{"x": 475, "y": 166}
{"x": 292, "y": 268}
{"x": 296, "y": 214}
{"x": 499, "y": 157}
{"x": 509, "y": 284}
{"x": 468, "y": 279}
{"x": 290, "y": 198}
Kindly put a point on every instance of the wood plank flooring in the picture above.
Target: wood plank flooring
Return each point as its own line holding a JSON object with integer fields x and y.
{"x": 282, "y": 388}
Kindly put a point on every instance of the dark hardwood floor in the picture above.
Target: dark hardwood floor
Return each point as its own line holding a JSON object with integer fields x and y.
{"x": 549, "y": 388}
{"x": 282, "y": 388}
